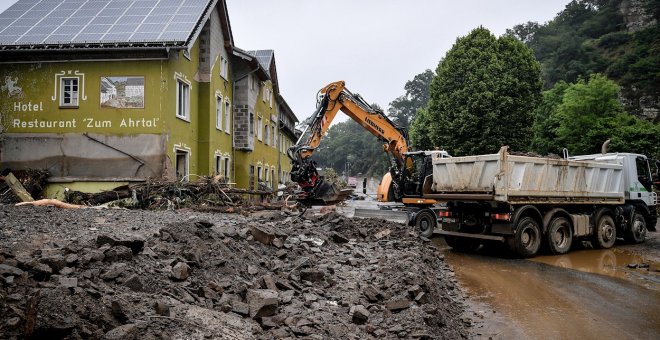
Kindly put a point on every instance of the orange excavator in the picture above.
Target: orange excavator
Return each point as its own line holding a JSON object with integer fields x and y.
{"x": 409, "y": 172}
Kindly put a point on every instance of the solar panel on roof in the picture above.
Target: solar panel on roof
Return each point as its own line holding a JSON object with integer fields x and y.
{"x": 70, "y": 21}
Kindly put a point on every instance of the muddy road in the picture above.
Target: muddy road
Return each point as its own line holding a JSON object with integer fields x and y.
{"x": 588, "y": 294}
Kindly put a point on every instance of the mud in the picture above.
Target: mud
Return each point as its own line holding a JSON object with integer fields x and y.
{"x": 585, "y": 294}
{"x": 119, "y": 274}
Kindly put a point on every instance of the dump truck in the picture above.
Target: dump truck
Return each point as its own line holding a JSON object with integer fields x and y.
{"x": 529, "y": 202}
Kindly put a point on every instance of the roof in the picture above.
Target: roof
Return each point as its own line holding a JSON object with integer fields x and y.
{"x": 110, "y": 23}
{"x": 264, "y": 57}
{"x": 250, "y": 59}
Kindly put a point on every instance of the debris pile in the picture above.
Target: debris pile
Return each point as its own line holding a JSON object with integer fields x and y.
{"x": 125, "y": 274}
{"x": 33, "y": 180}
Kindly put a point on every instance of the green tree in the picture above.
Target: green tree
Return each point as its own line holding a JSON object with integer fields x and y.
{"x": 483, "y": 96}
{"x": 589, "y": 114}
{"x": 546, "y": 121}
{"x": 403, "y": 109}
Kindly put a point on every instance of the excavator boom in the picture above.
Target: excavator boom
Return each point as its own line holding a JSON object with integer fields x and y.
{"x": 334, "y": 98}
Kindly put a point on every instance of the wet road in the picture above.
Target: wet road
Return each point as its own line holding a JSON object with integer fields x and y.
{"x": 587, "y": 294}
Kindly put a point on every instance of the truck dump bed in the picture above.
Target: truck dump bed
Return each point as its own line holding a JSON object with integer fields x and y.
{"x": 508, "y": 178}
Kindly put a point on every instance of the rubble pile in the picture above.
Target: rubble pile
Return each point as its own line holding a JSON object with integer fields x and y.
{"x": 139, "y": 274}
{"x": 33, "y": 180}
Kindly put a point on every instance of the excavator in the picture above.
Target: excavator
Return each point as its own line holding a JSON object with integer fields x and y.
{"x": 408, "y": 177}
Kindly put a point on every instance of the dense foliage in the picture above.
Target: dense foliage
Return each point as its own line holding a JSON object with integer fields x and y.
{"x": 591, "y": 36}
{"x": 482, "y": 96}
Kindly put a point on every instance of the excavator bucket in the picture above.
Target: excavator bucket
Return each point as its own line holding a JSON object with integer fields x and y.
{"x": 325, "y": 193}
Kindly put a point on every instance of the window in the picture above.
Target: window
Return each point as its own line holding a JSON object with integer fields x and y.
{"x": 218, "y": 165}
{"x": 267, "y": 134}
{"x": 218, "y": 113}
{"x": 258, "y": 174}
{"x": 227, "y": 116}
{"x": 264, "y": 94}
{"x": 274, "y": 142}
{"x": 252, "y": 83}
{"x": 260, "y": 131}
{"x": 251, "y": 125}
{"x": 224, "y": 67}
{"x": 181, "y": 165}
{"x": 272, "y": 178}
{"x": 182, "y": 99}
{"x": 227, "y": 173}
{"x": 122, "y": 92}
{"x": 69, "y": 92}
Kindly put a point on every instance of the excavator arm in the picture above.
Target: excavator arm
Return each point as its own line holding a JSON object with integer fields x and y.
{"x": 332, "y": 99}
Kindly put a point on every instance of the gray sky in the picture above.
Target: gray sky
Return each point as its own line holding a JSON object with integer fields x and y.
{"x": 374, "y": 45}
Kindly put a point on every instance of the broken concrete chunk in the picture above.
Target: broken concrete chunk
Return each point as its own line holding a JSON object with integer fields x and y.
{"x": 311, "y": 275}
{"x": 240, "y": 308}
{"x": 262, "y": 234}
{"x": 360, "y": 314}
{"x": 180, "y": 271}
{"x": 382, "y": 233}
{"x": 371, "y": 293}
{"x": 114, "y": 271}
{"x": 41, "y": 271}
{"x": 252, "y": 270}
{"x": 263, "y": 302}
{"x": 69, "y": 282}
{"x": 397, "y": 304}
{"x": 118, "y": 310}
{"x": 338, "y": 238}
{"x": 6, "y": 270}
{"x": 118, "y": 253}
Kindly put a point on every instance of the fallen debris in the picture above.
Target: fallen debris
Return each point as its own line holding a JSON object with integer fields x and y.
{"x": 197, "y": 275}
{"x": 18, "y": 188}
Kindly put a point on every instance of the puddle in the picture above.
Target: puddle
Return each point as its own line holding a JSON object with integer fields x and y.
{"x": 611, "y": 262}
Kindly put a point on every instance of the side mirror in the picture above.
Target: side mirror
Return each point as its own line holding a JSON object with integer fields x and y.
{"x": 364, "y": 185}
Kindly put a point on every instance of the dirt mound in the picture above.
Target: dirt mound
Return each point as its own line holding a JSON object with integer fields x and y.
{"x": 219, "y": 276}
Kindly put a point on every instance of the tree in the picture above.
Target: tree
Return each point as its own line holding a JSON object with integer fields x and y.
{"x": 403, "y": 109}
{"x": 546, "y": 121}
{"x": 482, "y": 96}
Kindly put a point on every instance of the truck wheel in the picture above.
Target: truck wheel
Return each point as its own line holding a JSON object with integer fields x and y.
{"x": 462, "y": 244}
{"x": 425, "y": 221}
{"x": 605, "y": 233}
{"x": 637, "y": 231}
{"x": 560, "y": 236}
{"x": 527, "y": 240}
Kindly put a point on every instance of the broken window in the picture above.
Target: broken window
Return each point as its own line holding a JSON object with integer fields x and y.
{"x": 122, "y": 92}
{"x": 182, "y": 99}
{"x": 69, "y": 92}
{"x": 181, "y": 165}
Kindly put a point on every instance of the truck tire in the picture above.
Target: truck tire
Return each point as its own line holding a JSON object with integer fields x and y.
{"x": 605, "y": 234}
{"x": 425, "y": 221}
{"x": 560, "y": 236}
{"x": 637, "y": 231}
{"x": 462, "y": 244}
{"x": 527, "y": 239}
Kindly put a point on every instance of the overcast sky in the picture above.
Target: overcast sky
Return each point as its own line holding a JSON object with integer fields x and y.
{"x": 374, "y": 45}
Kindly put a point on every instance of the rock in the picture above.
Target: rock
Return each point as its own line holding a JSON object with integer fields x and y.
{"x": 632, "y": 265}
{"x": 399, "y": 304}
{"x": 240, "y": 308}
{"x": 371, "y": 293}
{"x": 41, "y": 271}
{"x": 105, "y": 239}
{"x": 69, "y": 282}
{"x": 421, "y": 298}
{"x": 162, "y": 308}
{"x": 134, "y": 283}
{"x": 134, "y": 242}
{"x": 643, "y": 265}
{"x": 71, "y": 259}
{"x": 281, "y": 253}
{"x": 262, "y": 235}
{"x": 118, "y": 253}
{"x": 119, "y": 309}
{"x": 180, "y": 271}
{"x": 311, "y": 275}
{"x": 56, "y": 262}
{"x": 360, "y": 315}
{"x": 382, "y": 233}
{"x": 338, "y": 238}
{"x": 66, "y": 271}
{"x": 252, "y": 270}
{"x": 124, "y": 332}
{"x": 269, "y": 282}
{"x": 114, "y": 271}
{"x": 6, "y": 270}
{"x": 277, "y": 242}
{"x": 263, "y": 302}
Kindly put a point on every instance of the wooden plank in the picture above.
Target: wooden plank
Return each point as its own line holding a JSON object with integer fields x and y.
{"x": 18, "y": 188}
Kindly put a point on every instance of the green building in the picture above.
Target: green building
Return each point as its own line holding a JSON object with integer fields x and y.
{"x": 99, "y": 93}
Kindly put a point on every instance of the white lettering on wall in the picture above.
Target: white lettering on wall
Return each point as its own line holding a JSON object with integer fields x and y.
{"x": 27, "y": 107}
